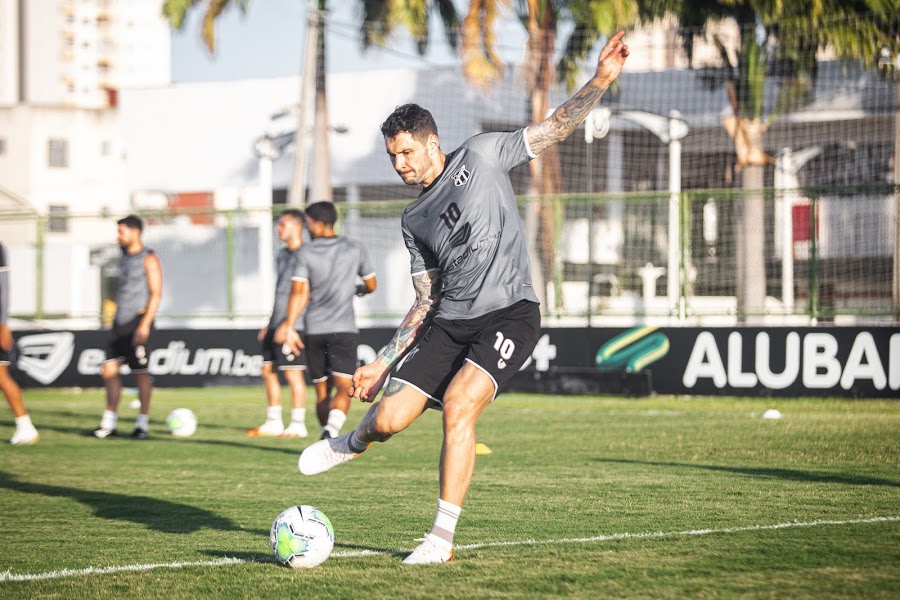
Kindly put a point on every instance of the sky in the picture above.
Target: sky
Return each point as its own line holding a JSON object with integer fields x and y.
{"x": 268, "y": 41}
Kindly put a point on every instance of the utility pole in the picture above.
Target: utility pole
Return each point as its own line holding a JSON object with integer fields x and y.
{"x": 297, "y": 193}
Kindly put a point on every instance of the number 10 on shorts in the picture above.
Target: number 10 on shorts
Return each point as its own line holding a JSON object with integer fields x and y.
{"x": 505, "y": 347}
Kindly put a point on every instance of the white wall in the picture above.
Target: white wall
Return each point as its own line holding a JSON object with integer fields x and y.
{"x": 9, "y": 52}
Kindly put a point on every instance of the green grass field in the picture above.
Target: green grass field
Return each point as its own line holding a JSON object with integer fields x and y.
{"x": 581, "y": 497}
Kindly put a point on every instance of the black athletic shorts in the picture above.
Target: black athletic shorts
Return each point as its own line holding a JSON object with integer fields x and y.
{"x": 281, "y": 355}
{"x": 331, "y": 354}
{"x": 121, "y": 347}
{"x": 498, "y": 343}
{"x": 6, "y": 357}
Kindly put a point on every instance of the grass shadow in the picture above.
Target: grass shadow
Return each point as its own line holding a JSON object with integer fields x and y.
{"x": 786, "y": 474}
{"x": 152, "y": 513}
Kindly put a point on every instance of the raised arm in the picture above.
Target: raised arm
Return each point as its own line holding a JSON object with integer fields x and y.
{"x": 573, "y": 111}
{"x": 368, "y": 379}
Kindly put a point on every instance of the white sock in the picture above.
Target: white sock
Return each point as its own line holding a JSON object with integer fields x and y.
{"x": 142, "y": 422}
{"x": 336, "y": 420}
{"x": 109, "y": 420}
{"x": 273, "y": 413}
{"x": 445, "y": 521}
{"x": 24, "y": 422}
{"x": 298, "y": 415}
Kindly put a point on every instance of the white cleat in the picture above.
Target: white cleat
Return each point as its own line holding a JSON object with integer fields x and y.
{"x": 104, "y": 432}
{"x": 432, "y": 551}
{"x": 267, "y": 429}
{"x": 325, "y": 454}
{"x": 24, "y": 436}
{"x": 295, "y": 430}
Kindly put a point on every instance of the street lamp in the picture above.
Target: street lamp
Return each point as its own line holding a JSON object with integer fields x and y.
{"x": 669, "y": 130}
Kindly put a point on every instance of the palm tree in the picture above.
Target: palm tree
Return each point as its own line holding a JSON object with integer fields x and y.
{"x": 781, "y": 37}
{"x": 380, "y": 18}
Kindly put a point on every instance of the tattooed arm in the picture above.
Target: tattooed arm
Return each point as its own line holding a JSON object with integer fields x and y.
{"x": 368, "y": 379}
{"x": 573, "y": 111}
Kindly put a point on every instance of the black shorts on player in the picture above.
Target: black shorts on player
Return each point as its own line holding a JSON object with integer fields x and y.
{"x": 6, "y": 357}
{"x": 281, "y": 355}
{"x": 121, "y": 346}
{"x": 498, "y": 343}
{"x": 331, "y": 354}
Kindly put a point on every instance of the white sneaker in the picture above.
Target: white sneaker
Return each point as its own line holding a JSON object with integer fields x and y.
{"x": 267, "y": 429}
{"x": 325, "y": 454}
{"x": 295, "y": 430}
{"x": 104, "y": 432}
{"x": 432, "y": 551}
{"x": 24, "y": 436}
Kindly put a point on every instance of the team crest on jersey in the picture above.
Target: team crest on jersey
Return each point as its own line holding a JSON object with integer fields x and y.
{"x": 461, "y": 176}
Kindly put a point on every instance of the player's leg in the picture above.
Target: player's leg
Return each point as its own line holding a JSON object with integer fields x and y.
{"x": 317, "y": 369}
{"x": 109, "y": 371}
{"x": 342, "y": 361}
{"x": 274, "y": 424}
{"x": 138, "y": 359}
{"x": 323, "y": 387}
{"x": 470, "y": 391}
{"x": 296, "y": 381}
{"x": 398, "y": 408}
{"x": 25, "y": 432}
{"x": 145, "y": 393}
{"x": 501, "y": 343}
{"x": 417, "y": 383}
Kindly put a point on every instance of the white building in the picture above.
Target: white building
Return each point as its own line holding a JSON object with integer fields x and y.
{"x": 63, "y": 64}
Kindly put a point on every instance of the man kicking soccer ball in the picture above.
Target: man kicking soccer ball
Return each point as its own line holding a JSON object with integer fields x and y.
{"x": 476, "y": 318}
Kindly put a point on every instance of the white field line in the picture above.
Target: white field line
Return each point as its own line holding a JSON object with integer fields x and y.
{"x": 9, "y": 576}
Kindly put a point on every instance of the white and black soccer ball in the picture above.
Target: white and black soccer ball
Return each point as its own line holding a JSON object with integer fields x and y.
{"x": 182, "y": 422}
{"x": 302, "y": 537}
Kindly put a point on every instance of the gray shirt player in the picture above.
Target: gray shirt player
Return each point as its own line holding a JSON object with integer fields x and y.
{"x": 331, "y": 266}
{"x": 466, "y": 226}
{"x": 134, "y": 293}
{"x": 285, "y": 266}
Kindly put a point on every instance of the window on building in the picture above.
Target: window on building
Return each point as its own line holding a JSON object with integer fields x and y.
{"x": 58, "y": 218}
{"x": 58, "y": 153}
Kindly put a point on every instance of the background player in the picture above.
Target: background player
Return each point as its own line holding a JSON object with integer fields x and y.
{"x": 288, "y": 361}
{"x": 325, "y": 284}
{"x": 25, "y": 432}
{"x": 475, "y": 319}
{"x": 137, "y": 300}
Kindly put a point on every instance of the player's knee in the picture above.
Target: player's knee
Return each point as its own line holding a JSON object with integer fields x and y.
{"x": 109, "y": 370}
{"x": 386, "y": 423}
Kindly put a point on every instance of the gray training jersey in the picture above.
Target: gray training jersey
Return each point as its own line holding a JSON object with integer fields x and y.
{"x": 331, "y": 266}
{"x": 4, "y": 286}
{"x": 285, "y": 266}
{"x": 466, "y": 226}
{"x": 134, "y": 293}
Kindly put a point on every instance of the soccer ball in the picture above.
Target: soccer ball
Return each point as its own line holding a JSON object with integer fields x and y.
{"x": 182, "y": 422}
{"x": 302, "y": 537}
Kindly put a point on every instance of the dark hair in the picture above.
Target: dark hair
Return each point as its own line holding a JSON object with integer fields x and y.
{"x": 323, "y": 211}
{"x": 131, "y": 222}
{"x": 411, "y": 118}
{"x": 293, "y": 213}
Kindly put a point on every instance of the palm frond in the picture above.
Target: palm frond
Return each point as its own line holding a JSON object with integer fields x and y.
{"x": 481, "y": 64}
